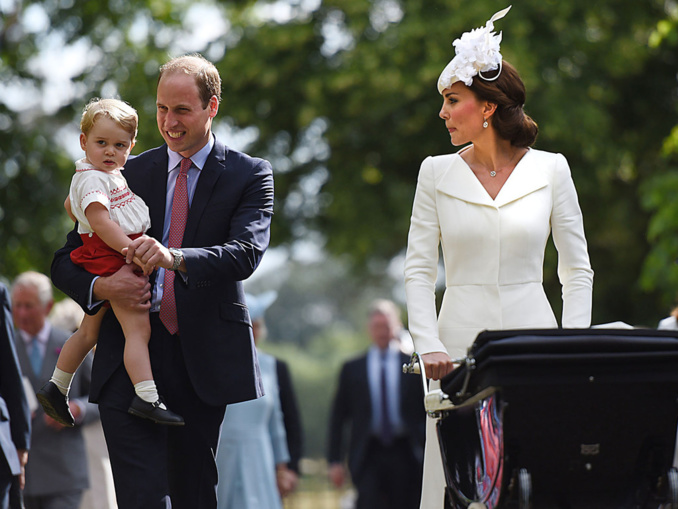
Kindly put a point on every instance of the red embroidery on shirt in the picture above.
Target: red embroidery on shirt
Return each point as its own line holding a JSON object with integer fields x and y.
{"x": 96, "y": 191}
{"x": 125, "y": 197}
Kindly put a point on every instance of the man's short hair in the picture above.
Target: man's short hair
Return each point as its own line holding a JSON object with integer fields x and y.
{"x": 206, "y": 74}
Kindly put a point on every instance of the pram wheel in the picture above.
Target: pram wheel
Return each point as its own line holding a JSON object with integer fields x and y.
{"x": 524, "y": 489}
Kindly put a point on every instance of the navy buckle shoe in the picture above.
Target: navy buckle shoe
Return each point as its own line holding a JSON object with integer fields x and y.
{"x": 55, "y": 404}
{"x": 156, "y": 412}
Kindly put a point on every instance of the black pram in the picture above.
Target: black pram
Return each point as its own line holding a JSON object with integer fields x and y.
{"x": 561, "y": 418}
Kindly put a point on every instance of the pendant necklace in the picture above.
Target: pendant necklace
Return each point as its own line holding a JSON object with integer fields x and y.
{"x": 493, "y": 173}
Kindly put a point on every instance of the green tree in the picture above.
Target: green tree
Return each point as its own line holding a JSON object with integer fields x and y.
{"x": 340, "y": 96}
{"x": 601, "y": 92}
{"x": 660, "y": 270}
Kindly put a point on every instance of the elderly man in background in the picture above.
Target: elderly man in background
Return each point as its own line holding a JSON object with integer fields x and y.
{"x": 67, "y": 315}
{"x": 57, "y": 472}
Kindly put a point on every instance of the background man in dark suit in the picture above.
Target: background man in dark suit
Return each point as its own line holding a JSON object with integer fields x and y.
{"x": 57, "y": 471}
{"x": 201, "y": 348}
{"x": 386, "y": 445}
{"x": 293, "y": 428}
{"x": 15, "y": 427}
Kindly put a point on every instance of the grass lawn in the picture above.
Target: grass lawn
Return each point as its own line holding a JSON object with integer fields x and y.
{"x": 315, "y": 491}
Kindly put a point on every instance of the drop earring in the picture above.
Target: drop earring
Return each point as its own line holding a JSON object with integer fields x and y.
{"x": 485, "y": 124}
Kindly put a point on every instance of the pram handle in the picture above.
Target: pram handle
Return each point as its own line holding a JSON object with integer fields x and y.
{"x": 416, "y": 367}
{"x": 436, "y": 400}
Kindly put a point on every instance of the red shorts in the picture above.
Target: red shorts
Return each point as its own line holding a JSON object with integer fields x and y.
{"x": 96, "y": 257}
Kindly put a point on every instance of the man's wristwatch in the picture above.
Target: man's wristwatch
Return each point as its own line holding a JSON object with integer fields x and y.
{"x": 178, "y": 256}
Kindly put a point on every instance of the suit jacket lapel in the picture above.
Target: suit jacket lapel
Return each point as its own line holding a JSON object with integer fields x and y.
{"x": 156, "y": 195}
{"x": 22, "y": 353}
{"x": 49, "y": 360}
{"x": 213, "y": 169}
{"x": 364, "y": 382}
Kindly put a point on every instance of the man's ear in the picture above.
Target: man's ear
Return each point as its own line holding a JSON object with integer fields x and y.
{"x": 213, "y": 106}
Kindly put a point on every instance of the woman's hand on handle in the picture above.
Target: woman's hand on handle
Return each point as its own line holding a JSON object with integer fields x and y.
{"x": 437, "y": 364}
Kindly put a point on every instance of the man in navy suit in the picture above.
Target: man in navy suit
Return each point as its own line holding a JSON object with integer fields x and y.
{"x": 386, "y": 444}
{"x": 15, "y": 425}
{"x": 209, "y": 360}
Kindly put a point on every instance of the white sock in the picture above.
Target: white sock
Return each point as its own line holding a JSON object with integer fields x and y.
{"x": 147, "y": 391}
{"x": 62, "y": 380}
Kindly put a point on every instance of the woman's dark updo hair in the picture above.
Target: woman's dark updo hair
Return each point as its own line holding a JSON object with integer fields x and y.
{"x": 508, "y": 93}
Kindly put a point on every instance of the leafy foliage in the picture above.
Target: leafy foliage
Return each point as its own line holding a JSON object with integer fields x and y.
{"x": 340, "y": 96}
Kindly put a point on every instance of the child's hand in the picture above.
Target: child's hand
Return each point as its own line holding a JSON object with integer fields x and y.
{"x": 150, "y": 252}
{"x": 146, "y": 270}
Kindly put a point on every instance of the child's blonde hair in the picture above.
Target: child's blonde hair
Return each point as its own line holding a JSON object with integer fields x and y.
{"x": 118, "y": 111}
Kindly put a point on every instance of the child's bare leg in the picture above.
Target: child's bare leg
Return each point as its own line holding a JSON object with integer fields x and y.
{"x": 53, "y": 396}
{"x": 75, "y": 350}
{"x": 81, "y": 342}
{"x": 137, "y": 329}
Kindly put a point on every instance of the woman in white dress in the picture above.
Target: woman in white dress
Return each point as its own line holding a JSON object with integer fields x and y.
{"x": 491, "y": 206}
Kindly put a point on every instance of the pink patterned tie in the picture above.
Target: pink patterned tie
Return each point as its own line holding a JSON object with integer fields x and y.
{"x": 168, "y": 305}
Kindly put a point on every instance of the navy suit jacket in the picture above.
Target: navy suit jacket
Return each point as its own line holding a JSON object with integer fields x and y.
{"x": 226, "y": 235}
{"x": 291, "y": 415}
{"x": 15, "y": 417}
{"x": 352, "y": 407}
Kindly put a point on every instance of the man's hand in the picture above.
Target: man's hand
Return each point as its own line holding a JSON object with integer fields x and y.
{"x": 53, "y": 424}
{"x": 126, "y": 287}
{"x": 23, "y": 459}
{"x": 149, "y": 252}
{"x": 76, "y": 411}
{"x": 337, "y": 474}
{"x": 437, "y": 364}
{"x": 286, "y": 479}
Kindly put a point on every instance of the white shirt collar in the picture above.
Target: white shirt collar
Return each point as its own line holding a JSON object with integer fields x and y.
{"x": 42, "y": 336}
{"x": 199, "y": 158}
{"x": 393, "y": 347}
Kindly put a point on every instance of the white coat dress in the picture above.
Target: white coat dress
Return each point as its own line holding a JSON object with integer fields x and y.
{"x": 493, "y": 253}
